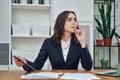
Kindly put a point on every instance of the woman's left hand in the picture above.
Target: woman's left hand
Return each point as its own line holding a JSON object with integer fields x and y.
{"x": 80, "y": 34}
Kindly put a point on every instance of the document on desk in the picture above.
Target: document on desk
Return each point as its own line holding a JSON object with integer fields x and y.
{"x": 41, "y": 75}
{"x": 79, "y": 76}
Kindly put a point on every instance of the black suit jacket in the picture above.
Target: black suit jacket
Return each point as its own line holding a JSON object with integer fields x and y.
{"x": 76, "y": 54}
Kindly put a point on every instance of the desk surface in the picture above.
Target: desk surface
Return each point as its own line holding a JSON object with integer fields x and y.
{"x": 16, "y": 74}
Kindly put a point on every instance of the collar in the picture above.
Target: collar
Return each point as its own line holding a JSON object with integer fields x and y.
{"x": 66, "y": 42}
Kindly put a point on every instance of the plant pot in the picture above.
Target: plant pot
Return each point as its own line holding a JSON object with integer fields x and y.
{"x": 107, "y": 42}
{"x": 99, "y": 42}
{"x": 104, "y": 64}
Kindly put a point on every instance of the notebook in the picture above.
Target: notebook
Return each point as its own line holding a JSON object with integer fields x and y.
{"x": 113, "y": 73}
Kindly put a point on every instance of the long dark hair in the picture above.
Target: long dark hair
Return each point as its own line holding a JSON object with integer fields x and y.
{"x": 59, "y": 27}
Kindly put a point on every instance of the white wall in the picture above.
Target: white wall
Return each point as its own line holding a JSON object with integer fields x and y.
{"x": 4, "y": 21}
{"x": 4, "y": 25}
{"x": 82, "y": 8}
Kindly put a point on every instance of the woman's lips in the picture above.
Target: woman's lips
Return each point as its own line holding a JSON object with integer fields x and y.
{"x": 74, "y": 27}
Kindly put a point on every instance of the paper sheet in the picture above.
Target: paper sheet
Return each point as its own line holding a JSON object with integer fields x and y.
{"x": 79, "y": 76}
{"x": 41, "y": 75}
{"x": 55, "y": 75}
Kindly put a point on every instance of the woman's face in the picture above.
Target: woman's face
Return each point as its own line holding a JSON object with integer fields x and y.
{"x": 70, "y": 23}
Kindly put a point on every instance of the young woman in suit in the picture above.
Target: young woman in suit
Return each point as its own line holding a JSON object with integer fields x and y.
{"x": 65, "y": 49}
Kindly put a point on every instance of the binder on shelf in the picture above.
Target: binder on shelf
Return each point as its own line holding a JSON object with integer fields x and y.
{"x": 21, "y": 30}
{"x": 40, "y": 30}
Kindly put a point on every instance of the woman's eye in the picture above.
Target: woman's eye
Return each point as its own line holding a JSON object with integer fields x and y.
{"x": 69, "y": 19}
{"x": 75, "y": 19}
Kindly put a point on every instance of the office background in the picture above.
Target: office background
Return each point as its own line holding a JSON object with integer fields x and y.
{"x": 23, "y": 27}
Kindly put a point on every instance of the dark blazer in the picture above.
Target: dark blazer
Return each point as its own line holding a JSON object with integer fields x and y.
{"x": 76, "y": 54}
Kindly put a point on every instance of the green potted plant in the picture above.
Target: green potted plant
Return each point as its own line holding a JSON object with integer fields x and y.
{"x": 104, "y": 26}
{"x": 104, "y": 62}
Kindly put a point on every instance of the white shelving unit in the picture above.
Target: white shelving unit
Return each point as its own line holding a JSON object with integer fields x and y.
{"x": 31, "y": 24}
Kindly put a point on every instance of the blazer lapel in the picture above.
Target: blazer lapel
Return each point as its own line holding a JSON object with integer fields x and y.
{"x": 71, "y": 49}
{"x": 60, "y": 53}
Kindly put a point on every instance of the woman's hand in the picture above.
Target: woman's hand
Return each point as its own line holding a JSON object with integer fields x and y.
{"x": 20, "y": 61}
{"x": 80, "y": 34}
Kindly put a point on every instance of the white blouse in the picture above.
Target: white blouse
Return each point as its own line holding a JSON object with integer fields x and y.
{"x": 65, "y": 48}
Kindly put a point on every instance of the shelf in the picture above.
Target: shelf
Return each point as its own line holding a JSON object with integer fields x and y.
{"x": 102, "y": 1}
{"x": 16, "y": 50}
{"x": 14, "y": 36}
{"x": 107, "y": 46}
{"x": 31, "y": 6}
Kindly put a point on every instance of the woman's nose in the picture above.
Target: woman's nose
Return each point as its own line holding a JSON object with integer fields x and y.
{"x": 74, "y": 23}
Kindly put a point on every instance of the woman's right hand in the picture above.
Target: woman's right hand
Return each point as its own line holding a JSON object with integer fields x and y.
{"x": 19, "y": 62}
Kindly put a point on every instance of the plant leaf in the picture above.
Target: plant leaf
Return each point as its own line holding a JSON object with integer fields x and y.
{"x": 99, "y": 27}
{"x": 102, "y": 14}
{"x": 117, "y": 35}
{"x": 112, "y": 33}
{"x": 108, "y": 19}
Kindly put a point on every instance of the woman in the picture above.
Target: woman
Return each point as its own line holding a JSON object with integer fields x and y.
{"x": 65, "y": 49}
